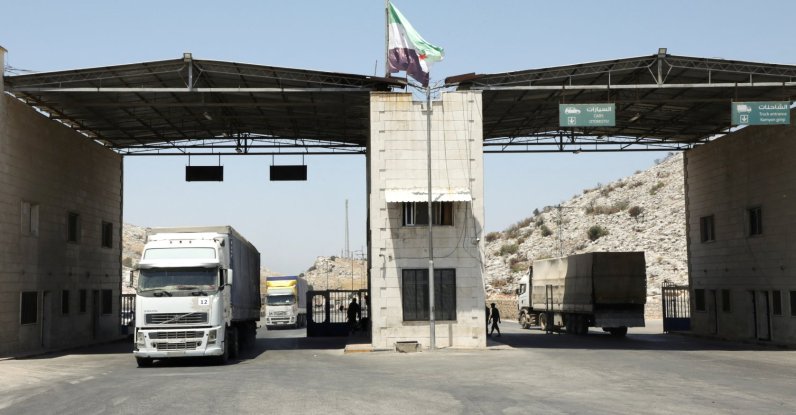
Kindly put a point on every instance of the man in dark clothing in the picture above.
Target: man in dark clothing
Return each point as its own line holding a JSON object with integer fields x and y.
{"x": 495, "y": 320}
{"x": 354, "y": 313}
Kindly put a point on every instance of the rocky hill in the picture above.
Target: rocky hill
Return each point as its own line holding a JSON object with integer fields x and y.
{"x": 643, "y": 212}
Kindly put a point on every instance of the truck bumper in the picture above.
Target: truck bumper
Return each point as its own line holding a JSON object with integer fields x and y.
{"x": 280, "y": 321}
{"x": 162, "y": 344}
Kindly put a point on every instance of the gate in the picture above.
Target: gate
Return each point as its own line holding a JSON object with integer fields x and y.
{"x": 327, "y": 312}
{"x": 127, "y": 313}
{"x": 676, "y": 303}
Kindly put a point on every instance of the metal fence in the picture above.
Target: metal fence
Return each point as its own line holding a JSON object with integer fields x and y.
{"x": 676, "y": 303}
{"x": 127, "y": 313}
{"x": 327, "y": 312}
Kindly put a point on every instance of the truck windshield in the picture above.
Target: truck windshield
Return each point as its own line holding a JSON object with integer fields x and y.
{"x": 175, "y": 279}
{"x": 279, "y": 300}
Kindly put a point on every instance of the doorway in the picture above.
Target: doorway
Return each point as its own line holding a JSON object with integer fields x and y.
{"x": 761, "y": 315}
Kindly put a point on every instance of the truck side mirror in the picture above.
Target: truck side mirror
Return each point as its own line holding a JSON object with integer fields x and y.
{"x": 229, "y": 277}
{"x": 516, "y": 291}
{"x": 130, "y": 281}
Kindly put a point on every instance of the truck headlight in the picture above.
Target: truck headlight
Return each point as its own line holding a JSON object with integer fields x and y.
{"x": 139, "y": 339}
{"x": 211, "y": 336}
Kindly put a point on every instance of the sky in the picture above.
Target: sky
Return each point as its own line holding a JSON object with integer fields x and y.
{"x": 291, "y": 223}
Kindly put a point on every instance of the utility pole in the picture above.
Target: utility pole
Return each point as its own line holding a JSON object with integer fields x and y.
{"x": 432, "y": 319}
{"x": 347, "y": 248}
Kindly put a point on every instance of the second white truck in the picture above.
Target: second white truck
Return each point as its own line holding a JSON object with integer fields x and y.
{"x": 597, "y": 289}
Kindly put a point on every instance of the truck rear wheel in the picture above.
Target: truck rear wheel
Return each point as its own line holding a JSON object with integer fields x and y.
{"x": 618, "y": 331}
{"x": 234, "y": 345}
{"x": 543, "y": 322}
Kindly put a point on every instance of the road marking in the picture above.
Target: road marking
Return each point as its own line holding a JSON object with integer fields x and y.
{"x": 75, "y": 382}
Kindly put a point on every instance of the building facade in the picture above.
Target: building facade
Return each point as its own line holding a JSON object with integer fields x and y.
{"x": 741, "y": 215}
{"x": 398, "y": 220}
{"x": 60, "y": 229}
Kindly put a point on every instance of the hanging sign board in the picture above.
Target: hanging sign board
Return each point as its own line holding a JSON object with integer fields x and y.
{"x": 587, "y": 115}
{"x": 761, "y": 113}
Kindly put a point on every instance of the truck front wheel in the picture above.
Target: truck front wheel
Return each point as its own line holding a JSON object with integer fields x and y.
{"x": 525, "y": 321}
{"x": 143, "y": 361}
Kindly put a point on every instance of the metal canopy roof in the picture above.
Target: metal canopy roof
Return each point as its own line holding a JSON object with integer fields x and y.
{"x": 663, "y": 102}
{"x": 187, "y": 106}
{"x": 199, "y": 106}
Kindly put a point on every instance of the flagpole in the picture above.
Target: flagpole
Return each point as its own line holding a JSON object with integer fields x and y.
{"x": 386, "y": 38}
{"x": 432, "y": 319}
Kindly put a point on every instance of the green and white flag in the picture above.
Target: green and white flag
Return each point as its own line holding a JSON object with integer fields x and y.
{"x": 407, "y": 50}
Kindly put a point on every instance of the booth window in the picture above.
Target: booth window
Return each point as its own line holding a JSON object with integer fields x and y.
{"x": 416, "y": 213}
{"x": 414, "y": 296}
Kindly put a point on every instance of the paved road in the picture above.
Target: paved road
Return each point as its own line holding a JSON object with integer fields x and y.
{"x": 523, "y": 371}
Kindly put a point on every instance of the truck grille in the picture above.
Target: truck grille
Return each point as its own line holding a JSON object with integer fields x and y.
{"x": 177, "y": 346}
{"x": 171, "y": 335}
{"x": 176, "y": 318}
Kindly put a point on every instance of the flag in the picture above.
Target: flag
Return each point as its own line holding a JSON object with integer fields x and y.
{"x": 407, "y": 51}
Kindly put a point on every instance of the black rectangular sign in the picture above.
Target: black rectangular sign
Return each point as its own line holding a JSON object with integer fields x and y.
{"x": 204, "y": 173}
{"x": 288, "y": 173}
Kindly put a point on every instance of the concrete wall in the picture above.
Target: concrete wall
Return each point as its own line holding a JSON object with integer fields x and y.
{"x": 56, "y": 170}
{"x": 397, "y": 160}
{"x": 751, "y": 168}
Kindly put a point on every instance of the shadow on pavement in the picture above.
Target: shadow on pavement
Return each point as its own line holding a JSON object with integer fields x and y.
{"x": 598, "y": 340}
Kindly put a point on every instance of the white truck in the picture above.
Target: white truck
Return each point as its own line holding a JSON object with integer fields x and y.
{"x": 285, "y": 301}
{"x": 597, "y": 289}
{"x": 198, "y": 294}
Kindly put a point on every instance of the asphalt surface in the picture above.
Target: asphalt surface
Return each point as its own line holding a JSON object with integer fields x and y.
{"x": 523, "y": 371}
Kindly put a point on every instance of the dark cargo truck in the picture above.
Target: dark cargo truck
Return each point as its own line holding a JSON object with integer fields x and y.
{"x": 597, "y": 289}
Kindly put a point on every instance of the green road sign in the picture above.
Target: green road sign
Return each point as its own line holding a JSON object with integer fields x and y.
{"x": 761, "y": 113}
{"x": 587, "y": 115}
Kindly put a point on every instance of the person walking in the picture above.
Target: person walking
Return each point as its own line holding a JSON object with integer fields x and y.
{"x": 495, "y": 320}
{"x": 354, "y": 313}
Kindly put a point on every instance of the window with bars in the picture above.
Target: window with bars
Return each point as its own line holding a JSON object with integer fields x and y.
{"x": 755, "y": 216}
{"x": 29, "y": 219}
{"x": 726, "y": 304}
{"x": 107, "y": 301}
{"x": 29, "y": 307}
{"x": 83, "y": 301}
{"x": 776, "y": 302}
{"x": 707, "y": 230}
{"x": 107, "y": 235}
{"x": 414, "y": 294}
{"x": 699, "y": 300}
{"x": 416, "y": 213}
{"x": 72, "y": 227}
{"x": 65, "y": 302}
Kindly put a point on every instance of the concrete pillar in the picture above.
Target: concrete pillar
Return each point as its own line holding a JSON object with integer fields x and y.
{"x": 2, "y": 68}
